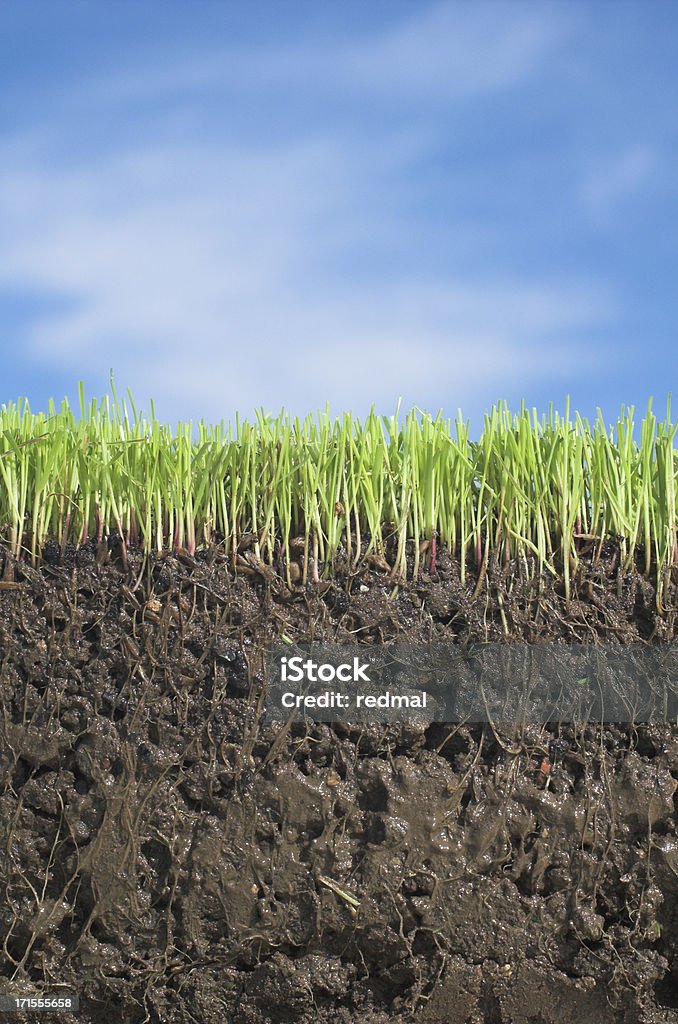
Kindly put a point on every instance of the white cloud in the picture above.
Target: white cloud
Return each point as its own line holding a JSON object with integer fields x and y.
{"x": 441, "y": 51}
{"x": 203, "y": 273}
{"x": 457, "y": 50}
{"x": 615, "y": 179}
{"x": 202, "y": 283}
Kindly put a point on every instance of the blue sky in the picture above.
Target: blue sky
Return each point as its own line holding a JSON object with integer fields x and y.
{"x": 253, "y": 204}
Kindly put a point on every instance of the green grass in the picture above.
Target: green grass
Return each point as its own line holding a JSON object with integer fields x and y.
{"x": 547, "y": 487}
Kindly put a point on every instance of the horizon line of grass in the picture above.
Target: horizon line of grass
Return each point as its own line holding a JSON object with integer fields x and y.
{"x": 546, "y": 486}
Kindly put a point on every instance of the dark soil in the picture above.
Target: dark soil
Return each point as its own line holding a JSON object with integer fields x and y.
{"x": 169, "y": 858}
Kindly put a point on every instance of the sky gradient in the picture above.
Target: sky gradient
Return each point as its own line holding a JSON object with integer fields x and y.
{"x": 243, "y": 205}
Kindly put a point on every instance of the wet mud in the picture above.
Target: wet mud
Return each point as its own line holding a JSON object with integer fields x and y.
{"x": 170, "y": 858}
